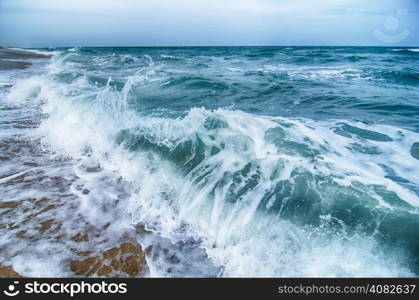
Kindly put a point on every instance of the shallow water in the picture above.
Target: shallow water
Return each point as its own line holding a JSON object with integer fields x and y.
{"x": 254, "y": 161}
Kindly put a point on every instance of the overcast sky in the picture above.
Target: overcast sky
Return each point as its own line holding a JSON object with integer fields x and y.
{"x": 55, "y": 23}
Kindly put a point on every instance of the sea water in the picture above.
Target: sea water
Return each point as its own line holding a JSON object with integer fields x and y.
{"x": 244, "y": 161}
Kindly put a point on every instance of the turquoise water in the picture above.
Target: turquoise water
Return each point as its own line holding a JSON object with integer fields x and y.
{"x": 365, "y": 84}
{"x": 278, "y": 161}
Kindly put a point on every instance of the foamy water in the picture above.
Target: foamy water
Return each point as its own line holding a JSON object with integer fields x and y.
{"x": 224, "y": 156}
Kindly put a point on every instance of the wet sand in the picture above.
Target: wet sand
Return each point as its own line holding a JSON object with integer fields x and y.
{"x": 12, "y": 59}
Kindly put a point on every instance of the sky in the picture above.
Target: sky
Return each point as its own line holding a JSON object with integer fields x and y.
{"x": 61, "y": 23}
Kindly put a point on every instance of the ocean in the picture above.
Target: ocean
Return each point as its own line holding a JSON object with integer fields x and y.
{"x": 216, "y": 161}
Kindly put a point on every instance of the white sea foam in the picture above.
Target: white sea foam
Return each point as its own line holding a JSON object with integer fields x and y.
{"x": 319, "y": 72}
{"x": 36, "y": 51}
{"x": 409, "y": 49}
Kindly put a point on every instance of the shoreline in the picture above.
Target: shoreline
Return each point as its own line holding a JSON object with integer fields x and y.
{"x": 32, "y": 221}
{"x": 14, "y": 59}
{"x": 87, "y": 160}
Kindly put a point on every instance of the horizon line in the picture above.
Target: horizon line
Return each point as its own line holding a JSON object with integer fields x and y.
{"x": 204, "y": 46}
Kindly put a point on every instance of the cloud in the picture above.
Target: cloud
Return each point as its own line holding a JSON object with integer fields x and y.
{"x": 131, "y": 7}
{"x": 196, "y": 22}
